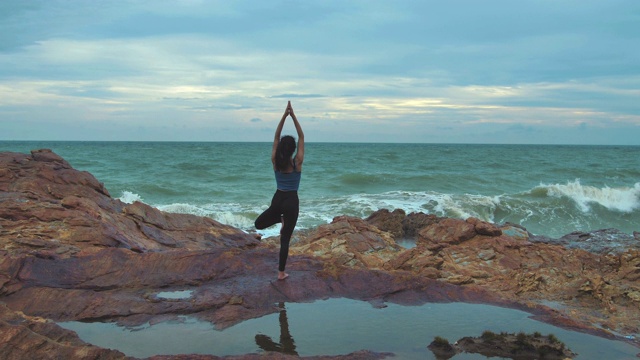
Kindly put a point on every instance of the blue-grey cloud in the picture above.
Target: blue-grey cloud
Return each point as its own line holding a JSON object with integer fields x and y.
{"x": 306, "y": 96}
{"x": 459, "y": 71}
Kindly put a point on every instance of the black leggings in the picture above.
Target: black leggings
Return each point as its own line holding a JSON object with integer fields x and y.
{"x": 284, "y": 206}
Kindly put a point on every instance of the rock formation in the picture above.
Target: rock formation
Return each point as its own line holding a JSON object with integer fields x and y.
{"x": 68, "y": 251}
{"x": 519, "y": 346}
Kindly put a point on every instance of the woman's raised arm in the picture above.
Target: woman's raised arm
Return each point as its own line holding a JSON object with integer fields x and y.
{"x": 276, "y": 138}
{"x": 300, "y": 153}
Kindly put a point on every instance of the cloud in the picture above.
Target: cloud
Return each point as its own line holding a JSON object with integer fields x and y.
{"x": 306, "y": 96}
{"x": 520, "y": 128}
{"x": 396, "y": 71}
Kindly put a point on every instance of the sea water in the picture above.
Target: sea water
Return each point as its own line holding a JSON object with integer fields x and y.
{"x": 551, "y": 190}
{"x": 340, "y": 326}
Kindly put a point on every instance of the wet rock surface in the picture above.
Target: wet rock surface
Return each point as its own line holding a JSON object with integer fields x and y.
{"x": 603, "y": 241}
{"x": 28, "y": 337}
{"x": 519, "y": 346}
{"x": 68, "y": 251}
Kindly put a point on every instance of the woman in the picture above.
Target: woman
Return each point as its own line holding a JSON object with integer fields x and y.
{"x": 288, "y": 170}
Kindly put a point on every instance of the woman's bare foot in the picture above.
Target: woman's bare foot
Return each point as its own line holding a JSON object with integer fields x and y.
{"x": 282, "y": 275}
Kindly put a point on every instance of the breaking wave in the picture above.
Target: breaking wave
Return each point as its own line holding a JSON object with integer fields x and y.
{"x": 129, "y": 197}
{"x": 553, "y": 210}
{"x": 622, "y": 199}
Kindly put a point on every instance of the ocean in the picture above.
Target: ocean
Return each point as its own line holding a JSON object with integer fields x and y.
{"x": 551, "y": 190}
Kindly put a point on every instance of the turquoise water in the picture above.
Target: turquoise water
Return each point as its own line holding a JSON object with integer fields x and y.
{"x": 340, "y": 326}
{"x": 551, "y": 190}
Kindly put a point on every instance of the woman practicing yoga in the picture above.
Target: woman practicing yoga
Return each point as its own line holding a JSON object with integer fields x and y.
{"x": 288, "y": 170}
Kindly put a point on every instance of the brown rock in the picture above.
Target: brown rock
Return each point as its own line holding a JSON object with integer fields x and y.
{"x": 46, "y": 155}
{"x": 484, "y": 228}
{"x": 515, "y": 231}
{"x": 25, "y": 337}
{"x": 349, "y": 241}
{"x": 388, "y": 221}
{"x": 235, "y": 300}
{"x": 47, "y": 204}
{"x": 419, "y": 260}
{"x": 503, "y": 345}
{"x": 459, "y": 279}
{"x": 414, "y": 222}
{"x": 447, "y": 232}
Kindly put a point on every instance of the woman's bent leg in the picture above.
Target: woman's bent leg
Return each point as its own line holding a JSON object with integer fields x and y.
{"x": 271, "y": 216}
{"x": 268, "y": 218}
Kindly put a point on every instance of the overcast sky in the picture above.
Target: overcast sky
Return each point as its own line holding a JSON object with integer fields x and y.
{"x": 456, "y": 71}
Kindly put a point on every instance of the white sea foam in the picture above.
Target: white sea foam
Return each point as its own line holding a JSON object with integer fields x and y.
{"x": 232, "y": 214}
{"x": 180, "y": 208}
{"x": 464, "y": 206}
{"x": 622, "y": 199}
{"x": 362, "y": 205}
{"x": 235, "y": 220}
{"x": 536, "y": 209}
{"x": 129, "y": 197}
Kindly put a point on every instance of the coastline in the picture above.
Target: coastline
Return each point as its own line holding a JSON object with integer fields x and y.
{"x": 64, "y": 237}
{"x": 550, "y": 190}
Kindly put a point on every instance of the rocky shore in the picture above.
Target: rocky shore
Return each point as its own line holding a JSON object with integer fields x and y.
{"x": 69, "y": 251}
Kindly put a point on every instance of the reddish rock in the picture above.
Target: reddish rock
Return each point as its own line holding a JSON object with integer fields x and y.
{"x": 515, "y": 231}
{"x": 27, "y": 337}
{"x": 389, "y": 221}
{"x": 504, "y": 345}
{"x": 446, "y": 232}
{"x": 419, "y": 260}
{"x": 399, "y": 224}
{"x": 349, "y": 241}
{"x": 414, "y": 222}
{"x": 46, "y": 204}
{"x": 484, "y": 228}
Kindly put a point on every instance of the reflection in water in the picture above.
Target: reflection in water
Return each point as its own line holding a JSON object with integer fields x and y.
{"x": 286, "y": 344}
{"x": 339, "y": 326}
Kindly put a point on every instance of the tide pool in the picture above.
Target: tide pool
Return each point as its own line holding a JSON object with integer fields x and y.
{"x": 340, "y": 326}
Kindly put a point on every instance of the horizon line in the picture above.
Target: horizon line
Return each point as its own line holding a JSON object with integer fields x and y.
{"x": 310, "y": 142}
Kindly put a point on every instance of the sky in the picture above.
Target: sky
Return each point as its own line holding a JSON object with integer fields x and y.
{"x": 419, "y": 71}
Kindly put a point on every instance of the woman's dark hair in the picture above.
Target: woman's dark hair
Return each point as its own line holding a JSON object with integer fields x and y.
{"x": 284, "y": 151}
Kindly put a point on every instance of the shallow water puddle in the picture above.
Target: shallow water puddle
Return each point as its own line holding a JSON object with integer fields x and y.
{"x": 339, "y": 326}
{"x": 175, "y": 295}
